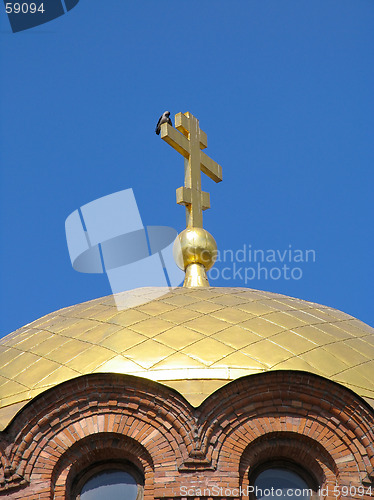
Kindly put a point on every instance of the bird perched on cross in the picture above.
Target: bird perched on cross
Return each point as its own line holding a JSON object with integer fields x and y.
{"x": 164, "y": 118}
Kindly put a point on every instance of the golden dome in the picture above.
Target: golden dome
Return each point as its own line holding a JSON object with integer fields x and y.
{"x": 191, "y": 339}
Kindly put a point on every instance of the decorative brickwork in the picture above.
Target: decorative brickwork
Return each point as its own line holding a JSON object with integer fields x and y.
{"x": 180, "y": 451}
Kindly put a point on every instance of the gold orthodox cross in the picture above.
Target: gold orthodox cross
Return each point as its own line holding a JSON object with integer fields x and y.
{"x": 189, "y": 140}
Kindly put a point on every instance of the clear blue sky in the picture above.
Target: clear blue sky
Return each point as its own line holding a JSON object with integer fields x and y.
{"x": 284, "y": 90}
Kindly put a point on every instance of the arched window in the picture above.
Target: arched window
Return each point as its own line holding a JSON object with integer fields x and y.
{"x": 282, "y": 479}
{"x": 275, "y": 483}
{"x": 109, "y": 481}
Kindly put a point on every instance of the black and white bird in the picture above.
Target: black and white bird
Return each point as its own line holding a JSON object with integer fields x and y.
{"x": 164, "y": 118}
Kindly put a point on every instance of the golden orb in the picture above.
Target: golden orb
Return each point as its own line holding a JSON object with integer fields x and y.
{"x": 195, "y": 246}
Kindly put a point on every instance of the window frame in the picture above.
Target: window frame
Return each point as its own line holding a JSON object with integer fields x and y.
{"x": 106, "y": 466}
{"x": 287, "y": 465}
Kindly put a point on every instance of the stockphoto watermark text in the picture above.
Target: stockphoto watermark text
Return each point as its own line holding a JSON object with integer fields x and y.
{"x": 248, "y": 263}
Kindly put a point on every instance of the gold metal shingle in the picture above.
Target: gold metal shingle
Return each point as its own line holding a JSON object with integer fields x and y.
{"x": 179, "y": 337}
{"x": 258, "y": 307}
{"x": 324, "y": 362}
{"x": 50, "y": 344}
{"x": 232, "y": 315}
{"x": 179, "y": 316}
{"x": 156, "y": 308}
{"x": 267, "y": 352}
{"x": 122, "y": 340}
{"x": 204, "y": 307}
{"x": 207, "y": 351}
{"x": 29, "y": 342}
{"x": 237, "y": 337}
{"x": 99, "y": 333}
{"x": 119, "y": 364}
{"x": 92, "y": 358}
{"x": 237, "y": 360}
{"x": 292, "y": 342}
{"x": 128, "y": 317}
{"x": 262, "y": 327}
{"x": 151, "y": 327}
{"x": 178, "y": 361}
{"x": 70, "y": 350}
{"x": 207, "y": 325}
{"x": 284, "y": 320}
{"x": 148, "y": 353}
{"x": 364, "y": 346}
{"x": 55, "y": 377}
{"x": 194, "y": 340}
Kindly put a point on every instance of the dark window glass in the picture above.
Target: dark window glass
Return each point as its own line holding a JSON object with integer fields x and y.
{"x": 281, "y": 483}
{"x": 110, "y": 485}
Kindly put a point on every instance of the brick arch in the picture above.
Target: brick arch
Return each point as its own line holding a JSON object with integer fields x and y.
{"x": 302, "y": 450}
{"x": 329, "y": 443}
{"x": 46, "y": 449}
{"x": 156, "y": 417}
{"x": 93, "y": 449}
{"x": 285, "y": 401}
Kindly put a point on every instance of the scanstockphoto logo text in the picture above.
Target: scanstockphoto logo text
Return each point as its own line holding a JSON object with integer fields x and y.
{"x": 337, "y": 491}
{"x": 248, "y": 264}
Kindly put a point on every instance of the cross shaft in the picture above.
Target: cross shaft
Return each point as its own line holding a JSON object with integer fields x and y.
{"x": 188, "y": 139}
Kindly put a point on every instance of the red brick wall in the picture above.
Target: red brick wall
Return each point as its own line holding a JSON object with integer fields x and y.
{"x": 295, "y": 416}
